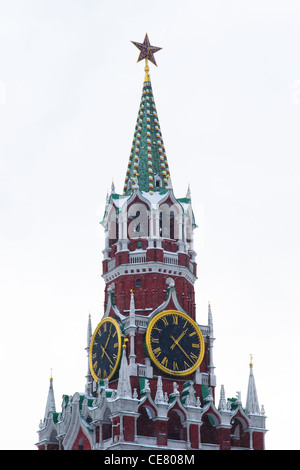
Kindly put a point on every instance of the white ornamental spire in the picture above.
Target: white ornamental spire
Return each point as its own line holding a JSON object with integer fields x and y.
{"x": 188, "y": 193}
{"x": 132, "y": 331}
{"x": 113, "y": 190}
{"x": 211, "y": 340}
{"x": 89, "y": 375}
{"x": 132, "y": 309}
{"x": 50, "y": 406}
{"x": 159, "y": 397}
{"x": 210, "y": 321}
{"x": 252, "y": 405}
{"x": 124, "y": 387}
{"x": 222, "y": 402}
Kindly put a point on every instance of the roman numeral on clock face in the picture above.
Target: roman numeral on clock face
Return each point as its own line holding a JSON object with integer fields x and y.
{"x": 154, "y": 340}
{"x": 164, "y": 362}
{"x": 193, "y": 357}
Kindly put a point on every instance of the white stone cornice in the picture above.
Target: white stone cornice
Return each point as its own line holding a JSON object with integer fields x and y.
{"x": 149, "y": 267}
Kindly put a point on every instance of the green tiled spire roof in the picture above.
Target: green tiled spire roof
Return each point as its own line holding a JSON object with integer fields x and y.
{"x": 148, "y": 166}
{"x": 147, "y": 159}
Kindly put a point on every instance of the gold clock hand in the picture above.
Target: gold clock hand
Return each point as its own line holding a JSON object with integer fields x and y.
{"x": 106, "y": 343}
{"x": 177, "y": 344}
{"x": 174, "y": 344}
{"x": 104, "y": 352}
{"x": 178, "y": 339}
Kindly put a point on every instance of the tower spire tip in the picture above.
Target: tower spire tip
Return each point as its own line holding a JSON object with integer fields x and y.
{"x": 146, "y": 52}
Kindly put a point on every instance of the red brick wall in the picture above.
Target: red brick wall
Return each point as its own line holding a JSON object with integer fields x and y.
{"x": 86, "y": 443}
{"x": 258, "y": 441}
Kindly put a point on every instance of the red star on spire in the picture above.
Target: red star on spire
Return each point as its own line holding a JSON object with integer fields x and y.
{"x": 147, "y": 51}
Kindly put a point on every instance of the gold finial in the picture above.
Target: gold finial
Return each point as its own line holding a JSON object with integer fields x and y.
{"x": 251, "y": 359}
{"x": 147, "y": 76}
{"x": 125, "y": 341}
{"x": 51, "y": 378}
{"x": 131, "y": 291}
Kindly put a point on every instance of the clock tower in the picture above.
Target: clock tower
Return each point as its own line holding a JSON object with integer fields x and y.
{"x": 151, "y": 381}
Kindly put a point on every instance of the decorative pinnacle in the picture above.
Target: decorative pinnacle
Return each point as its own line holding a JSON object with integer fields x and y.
{"x": 251, "y": 359}
{"x": 147, "y": 52}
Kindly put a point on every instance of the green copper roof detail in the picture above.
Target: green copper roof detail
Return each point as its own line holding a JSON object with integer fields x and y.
{"x": 148, "y": 166}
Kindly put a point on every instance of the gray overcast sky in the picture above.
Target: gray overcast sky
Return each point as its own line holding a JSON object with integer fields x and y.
{"x": 227, "y": 92}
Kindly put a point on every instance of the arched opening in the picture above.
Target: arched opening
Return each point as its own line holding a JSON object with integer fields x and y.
{"x": 170, "y": 226}
{"x": 208, "y": 430}
{"x": 176, "y": 431}
{"x": 112, "y": 227}
{"x": 106, "y": 425}
{"x": 167, "y": 224}
{"x": 53, "y": 444}
{"x": 137, "y": 217}
{"x": 238, "y": 436}
{"x": 145, "y": 425}
{"x": 158, "y": 181}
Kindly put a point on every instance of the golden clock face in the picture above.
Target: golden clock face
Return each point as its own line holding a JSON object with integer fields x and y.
{"x": 175, "y": 343}
{"x": 105, "y": 349}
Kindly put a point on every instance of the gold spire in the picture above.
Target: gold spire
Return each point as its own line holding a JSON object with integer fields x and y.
{"x": 147, "y": 76}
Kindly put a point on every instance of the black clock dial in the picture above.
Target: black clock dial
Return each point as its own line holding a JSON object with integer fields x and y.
{"x": 105, "y": 349}
{"x": 175, "y": 343}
